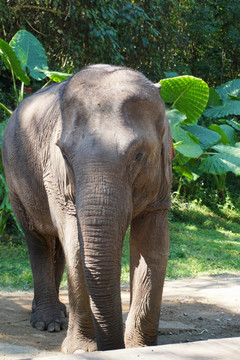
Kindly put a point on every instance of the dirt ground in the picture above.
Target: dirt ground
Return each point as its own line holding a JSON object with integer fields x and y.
{"x": 193, "y": 310}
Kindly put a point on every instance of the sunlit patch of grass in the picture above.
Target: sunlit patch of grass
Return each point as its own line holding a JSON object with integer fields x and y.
{"x": 15, "y": 270}
{"x": 202, "y": 243}
{"x": 125, "y": 258}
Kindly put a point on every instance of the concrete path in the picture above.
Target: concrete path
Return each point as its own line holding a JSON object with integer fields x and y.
{"x": 224, "y": 349}
{"x": 223, "y": 291}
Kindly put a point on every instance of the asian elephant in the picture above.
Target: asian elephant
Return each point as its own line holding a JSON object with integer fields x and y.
{"x": 84, "y": 159}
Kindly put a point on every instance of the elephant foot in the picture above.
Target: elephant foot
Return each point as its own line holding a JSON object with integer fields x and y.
{"x": 63, "y": 309}
{"x": 72, "y": 345}
{"x": 61, "y": 306}
{"x": 51, "y": 320}
{"x": 138, "y": 339}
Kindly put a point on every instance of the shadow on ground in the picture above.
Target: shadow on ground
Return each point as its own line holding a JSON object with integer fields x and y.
{"x": 192, "y": 310}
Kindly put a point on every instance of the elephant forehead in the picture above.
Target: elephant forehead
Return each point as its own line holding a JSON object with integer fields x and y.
{"x": 113, "y": 107}
{"x": 104, "y": 91}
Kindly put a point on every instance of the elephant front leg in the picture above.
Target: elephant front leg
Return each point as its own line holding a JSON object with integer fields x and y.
{"x": 149, "y": 245}
{"x": 80, "y": 334}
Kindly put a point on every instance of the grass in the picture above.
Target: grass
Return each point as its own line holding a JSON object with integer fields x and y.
{"x": 202, "y": 243}
{"x": 15, "y": 270}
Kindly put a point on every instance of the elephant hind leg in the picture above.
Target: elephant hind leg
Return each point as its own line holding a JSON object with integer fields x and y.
{"x": 59, "y": 264}
{"x": 46, "y": 314}
{"x": 47, "y": 311}
{"x": 149, "y": 243}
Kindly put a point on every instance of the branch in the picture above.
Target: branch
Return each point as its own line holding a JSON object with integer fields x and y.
{"x": 39, "y": 32}
{"x": 19, "y": 7}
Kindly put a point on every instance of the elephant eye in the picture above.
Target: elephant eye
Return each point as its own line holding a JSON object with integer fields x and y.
{"x": 139, "y": 156}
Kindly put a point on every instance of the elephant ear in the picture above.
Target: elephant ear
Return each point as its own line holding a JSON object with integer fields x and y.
{"x": 168, "y": 152}
{"x": 164, "y": 181}
{"x": 171, "y": 150}
{"x": 163, "y": 200}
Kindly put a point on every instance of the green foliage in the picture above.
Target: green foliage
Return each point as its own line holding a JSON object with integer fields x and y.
{"x": 187, "y": 37}
{"x": 30, "y": 53}
{"x": 229, "y": 107}
{"x": 214, "y": 150}
{"x": 186, "y": 143}
{"x": 229, "y": 96}
{"x": 227, "y": 159}
{"x": 214, "y": 98}
{"x": 56, "y": 76}
{"x": 5, "y": 207}
{"x": 207, "y": 137}
{"x": 12, "y": 62}
{"x": 187, "y": 94}
{"x": 229, "y": 90}
{"x": 23, "y": 53}
{"x": 15, "y": 267}
{"x": 125, "y": 258}
{"x": 223, "y": 136}
{"x": 202, "y": 243}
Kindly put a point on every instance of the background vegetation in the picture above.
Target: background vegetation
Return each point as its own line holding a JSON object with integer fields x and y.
{"x": 163, "y": 39}
{"x": 199, "y": 37}
{"x": 202, "y": 243}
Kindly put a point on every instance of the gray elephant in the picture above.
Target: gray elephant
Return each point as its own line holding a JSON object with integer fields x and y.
{"x": 84, "y": 159}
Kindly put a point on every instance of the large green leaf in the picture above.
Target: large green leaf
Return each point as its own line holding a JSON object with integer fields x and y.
{"x": 174, "y": 116}
{"x": 214, "y": 98}
{"x": 55, "y": 76}
{"x": 229, "y": 107}
{"x": 231, "y": 133}
{"x": 230, "y": 95}
{"x": 187, "y": 94}
{"x": 234, "y": 123}
{"x": 185, "y": 171}
{"x": 180, "y": 159}
{"x": 220, "y": 164}
{"x": 170, "y": 74}
{"x": 206, "y": 137}
{"x": 227, "y": 159}
{"x": 229, "y": 150}
{"x": 11, "y": 61}
{"x": 229, "y": 90}
{"x": 30, "y": 53}
{"x": 224, "y": 139}
{"x": 190, "y": 147}
{"x": 188, "y": 171}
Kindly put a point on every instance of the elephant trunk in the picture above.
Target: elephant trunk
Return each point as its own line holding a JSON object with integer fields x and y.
{"x": 103, "y": 210}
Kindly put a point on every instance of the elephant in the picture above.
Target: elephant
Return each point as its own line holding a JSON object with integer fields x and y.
{"x": 85, "y": 159}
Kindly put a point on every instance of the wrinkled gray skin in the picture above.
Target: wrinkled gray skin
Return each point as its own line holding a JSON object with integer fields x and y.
{"x": 84, "y": 159}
